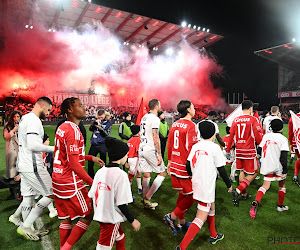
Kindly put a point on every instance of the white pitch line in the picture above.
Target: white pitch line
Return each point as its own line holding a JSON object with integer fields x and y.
{"x": 45, "y": 240}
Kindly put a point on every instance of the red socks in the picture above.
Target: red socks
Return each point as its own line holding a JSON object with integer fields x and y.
{"x": 211, "y": 223}
{"x": 76, "y": 233}
{"x": 180, "y": 197}
{"x": 184, "y": 205}
{"x": 244, "y": 183}
{"x": 191, "y": 233}
{"x": 64, "y": 232}
{"x": 120, "y": 245}
{"x": 281, "y": 195}
{"x": 297, "y": 167}
{"x": 260, "y": 193}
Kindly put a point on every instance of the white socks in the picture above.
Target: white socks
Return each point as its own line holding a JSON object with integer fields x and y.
{"x": 27, "y": 204}
{"x": 233, "y": 169}
{"x": 155, "y": 186}
{"x": 51, "y": 207}
{"x": 36, "y": 211}
{"x": 146, "y": 182}
{"x": 139, "y": 182}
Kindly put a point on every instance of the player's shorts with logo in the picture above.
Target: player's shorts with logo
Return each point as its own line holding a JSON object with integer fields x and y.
{"x": 148, "y": 162}
{"x": 109, "y": 234}
{"x": 249, "y": 166}
{"x": 33, "y": 183}
{"x": 77, "y": 206}
{"x": 182, "y": 184}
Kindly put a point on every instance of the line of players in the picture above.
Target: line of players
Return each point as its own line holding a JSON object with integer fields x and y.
{"x": 191, "y": 151}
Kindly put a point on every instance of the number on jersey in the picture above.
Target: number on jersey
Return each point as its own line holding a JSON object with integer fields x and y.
{"x": 241, "y": 131}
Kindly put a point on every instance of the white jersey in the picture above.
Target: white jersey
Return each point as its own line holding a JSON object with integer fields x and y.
{"x": 205, "y": 157}
{"x": 272, "y": 144}
{"x": 110, "y": 189}
{"x": 267, "y": 122}
{"x": 149, "y": 121}
{"x": 216, "y": 128}
{"x": 29, "y": 161}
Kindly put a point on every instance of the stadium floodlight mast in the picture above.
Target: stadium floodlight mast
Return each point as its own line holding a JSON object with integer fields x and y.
{"x": 169, "y": 51}
{"x": 183, "y": 24}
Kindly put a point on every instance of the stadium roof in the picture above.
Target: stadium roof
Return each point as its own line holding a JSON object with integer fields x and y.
{"x": 287, "y": 55}
{"x": 130, "y": 27}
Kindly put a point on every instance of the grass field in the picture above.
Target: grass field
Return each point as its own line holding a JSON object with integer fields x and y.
{"x": 241, "y": 232}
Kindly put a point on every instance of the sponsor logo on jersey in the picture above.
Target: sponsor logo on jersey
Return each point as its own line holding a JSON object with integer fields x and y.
{"x": 179, "y": 125}
{"x": 74, "y": 148}
{"x": 58, "y": 170}
{"x": 175, "y": 153}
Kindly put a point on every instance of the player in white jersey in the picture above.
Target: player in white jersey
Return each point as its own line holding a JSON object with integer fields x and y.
{"x": 273, "y": 149}
{"x": 35, "y": 178}
{"x": 268, "y": 119}
{"x": 150, "y": 154}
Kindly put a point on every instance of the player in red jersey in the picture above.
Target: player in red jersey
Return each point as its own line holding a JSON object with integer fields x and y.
{"x": 182, "y": 136}
{"x": 293, "y": 148}
{"x": 245, "y": 130}
{"x": 71, "y": 195}
{"x": 133, "y": 157}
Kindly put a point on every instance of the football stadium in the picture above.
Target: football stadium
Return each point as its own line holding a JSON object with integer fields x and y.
{"x": 128, "y": 125}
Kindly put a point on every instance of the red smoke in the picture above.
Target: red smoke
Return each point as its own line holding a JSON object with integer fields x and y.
{"x": 38, "y": 62}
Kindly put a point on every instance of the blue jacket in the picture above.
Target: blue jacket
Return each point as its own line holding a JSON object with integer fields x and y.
{"x": 98, "y": 136}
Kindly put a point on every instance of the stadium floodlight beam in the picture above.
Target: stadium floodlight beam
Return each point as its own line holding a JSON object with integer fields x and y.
{"x": 194, "y": 27}
{"x": 26, "y": 26}
{"x": 31, "y": 27}
{"x": 183, "y": 24}
{"x": 49, "y": 30}
{"x": 54, "y": 30}
{"x": 199, "y": 28}
{"x": 189, "y": 26}
{"x": 169, "y": 51}
{"x": 294, "y": 39}
{"x": 208, "y": 30}
{"x": 203, "y": 29}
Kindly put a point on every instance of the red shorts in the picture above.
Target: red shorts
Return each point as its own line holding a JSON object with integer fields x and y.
{"x": 249, "y": 166}
{"x": 109, "y": 234}
{"x": 79, "y": 205}
{"x": 182, "y": 184}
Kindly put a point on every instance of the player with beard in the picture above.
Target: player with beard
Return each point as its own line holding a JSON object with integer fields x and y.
{"x": 71, "y": 195}
{"x": 33, "y": 172}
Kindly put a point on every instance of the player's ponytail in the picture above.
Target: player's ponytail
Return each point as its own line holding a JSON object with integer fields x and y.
{"x": 182, "y": 107}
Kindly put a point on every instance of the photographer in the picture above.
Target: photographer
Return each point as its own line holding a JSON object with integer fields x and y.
{"x": 100, "y": 128}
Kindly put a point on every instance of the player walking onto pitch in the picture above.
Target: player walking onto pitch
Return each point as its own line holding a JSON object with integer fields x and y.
{"x": 182, "y": 136}
{"x": 268, "y": 119}
{"x": 150, "y": 154}
{"x": 111, "y": 193}
{"x": 293, "y": 148}
{"x": 133, "y": 157}
{"x": 71, "y": 195}
{"x": 274, "y": 150}
{"x": 245, "y": 130}
{"x": 204, "y": 160}
{"x": 34, "y": 175}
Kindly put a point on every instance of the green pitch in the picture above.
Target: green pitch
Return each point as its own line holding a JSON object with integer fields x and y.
{"x": 241, "y": 232}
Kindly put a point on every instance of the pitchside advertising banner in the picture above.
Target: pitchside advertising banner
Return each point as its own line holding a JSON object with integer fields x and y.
{"x": 87, "y": 99}
{"x": 289, "y": 94}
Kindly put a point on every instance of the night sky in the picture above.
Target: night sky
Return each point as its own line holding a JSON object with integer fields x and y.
{"x": 247, "y": 26}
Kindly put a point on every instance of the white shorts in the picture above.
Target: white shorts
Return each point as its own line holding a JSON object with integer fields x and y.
{"x": 36, "y": 183}
{"x": 148, "y": 162}
{"x": 133, "y": 165}
{"x": 205, "y": 207}
{"x": 274, "y": 177}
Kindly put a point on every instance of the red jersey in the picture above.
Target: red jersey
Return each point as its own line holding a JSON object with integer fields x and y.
{"x": 182, "y": 136}
{"x": 245, "y": 130}
{"x": 68, "y": 141}
{"x": 225, "y": 139}
{"x": 133, "y": 144}
{"x": 292, "y": 139}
